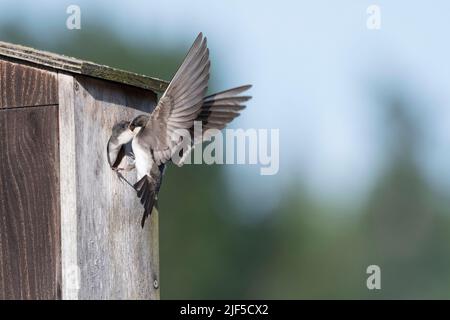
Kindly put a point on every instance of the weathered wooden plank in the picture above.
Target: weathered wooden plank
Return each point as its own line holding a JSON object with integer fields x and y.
{"x": 22, "y": 86}
{"x": 116, "y": 257}
{"x": 68, "y": 190}
{"x": 29, "y": 204}
{"x": 76, "y": 66}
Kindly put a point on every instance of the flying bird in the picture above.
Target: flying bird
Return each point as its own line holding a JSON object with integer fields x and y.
{"x": 184, "y": 102}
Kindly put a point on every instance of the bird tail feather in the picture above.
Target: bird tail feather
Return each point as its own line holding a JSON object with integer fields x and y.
{"x": 146, "y": 192}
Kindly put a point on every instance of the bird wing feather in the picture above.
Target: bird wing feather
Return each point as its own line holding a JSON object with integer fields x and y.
{"x": 180, "y": 104}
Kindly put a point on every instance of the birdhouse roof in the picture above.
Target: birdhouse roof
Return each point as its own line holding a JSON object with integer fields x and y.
{"x": 77, "y": 66}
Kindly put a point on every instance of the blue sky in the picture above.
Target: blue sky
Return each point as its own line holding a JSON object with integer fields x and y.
{"x": 313, "y": 65}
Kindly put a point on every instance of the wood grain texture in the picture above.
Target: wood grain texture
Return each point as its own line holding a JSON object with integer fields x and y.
{"x": 77, "y": 66}
{"x": 117, "y": 258}
{"x": 68, "y": 190}
{"x": 29, "y": 203}
{"x": 25, "y": 86}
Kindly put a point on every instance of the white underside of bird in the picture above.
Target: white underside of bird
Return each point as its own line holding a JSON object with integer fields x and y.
{"x": 144, "y": 161}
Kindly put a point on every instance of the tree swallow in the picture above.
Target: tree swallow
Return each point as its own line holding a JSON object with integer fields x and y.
{"x": 116, "y": 149}
{"x": 182, "y": 103}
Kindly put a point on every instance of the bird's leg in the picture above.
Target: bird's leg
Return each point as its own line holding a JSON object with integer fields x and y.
{"x": 121, "y": 177}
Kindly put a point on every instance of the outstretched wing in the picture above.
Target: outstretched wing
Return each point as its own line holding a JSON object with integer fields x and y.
{"x": 180, "y": 104}
{"x": 221, "y": 108}
{"x": 217, "y": 111}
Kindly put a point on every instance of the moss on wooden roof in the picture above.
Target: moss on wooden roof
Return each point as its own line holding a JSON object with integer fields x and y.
{"x": 77, "y": 66}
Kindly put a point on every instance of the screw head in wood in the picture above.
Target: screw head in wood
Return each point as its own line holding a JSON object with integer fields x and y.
{"x": 77, "y": 86}
{"x": 155, "y": 284}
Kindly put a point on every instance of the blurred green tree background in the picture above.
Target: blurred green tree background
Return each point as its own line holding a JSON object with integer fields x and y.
{"x": 303, "y": 248}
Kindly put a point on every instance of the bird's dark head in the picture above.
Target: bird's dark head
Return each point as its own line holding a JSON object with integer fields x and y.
{"x": 120, "y": 127}
{"x": 138, "y": 122}
{"x": 121, "y": 133}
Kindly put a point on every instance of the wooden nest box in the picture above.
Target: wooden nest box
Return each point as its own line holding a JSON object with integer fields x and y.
{"x": 69, "y": 229}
